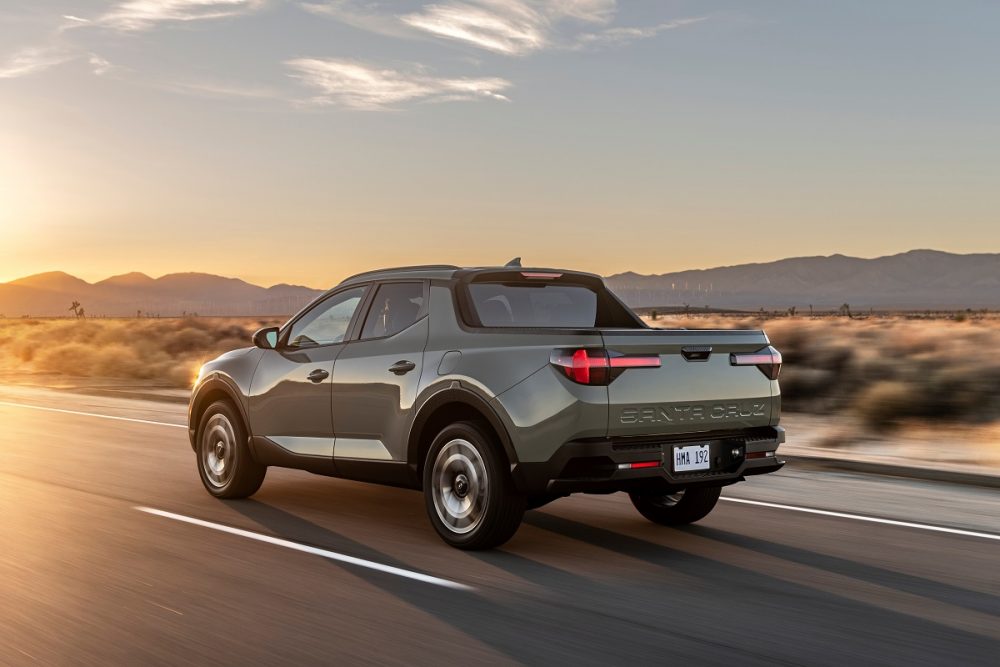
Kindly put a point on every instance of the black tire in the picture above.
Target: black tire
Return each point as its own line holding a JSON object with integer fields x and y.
{"x": 468, "y": 491}
{"x": 676, "y": 509}
{"x": 225, "y": 465}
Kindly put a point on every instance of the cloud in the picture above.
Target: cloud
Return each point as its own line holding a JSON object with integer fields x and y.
{"x": 508, "y": 27}
{"x": 356, "y": 85}
{"x": 366, "y": 17}
{"x": 626, "y": 35}
{"x": 33, "y": 60}
{"x": 134, "y": 15}
{"x": 219, "y": 90}
{"x": 129, "y": 15}
{"x": 99, "y": 65}
{"x": 38, "y": 59}
{"x": 594, "y": 11}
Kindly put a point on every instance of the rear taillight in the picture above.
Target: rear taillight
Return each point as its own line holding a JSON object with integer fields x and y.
{"x": 767, "y": 360}
{"x": 597, "y": 365}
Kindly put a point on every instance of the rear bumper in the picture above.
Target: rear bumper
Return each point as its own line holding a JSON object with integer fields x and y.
{"x": 592, "y": 465}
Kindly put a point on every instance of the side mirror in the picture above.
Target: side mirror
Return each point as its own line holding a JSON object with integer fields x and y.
{"x": 266, "y": 338}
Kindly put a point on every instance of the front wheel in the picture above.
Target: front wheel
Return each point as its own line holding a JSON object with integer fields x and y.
{"x": 225, "y": 465}
{"x": 678, "y": 508}
{"x": 468, "y": 491}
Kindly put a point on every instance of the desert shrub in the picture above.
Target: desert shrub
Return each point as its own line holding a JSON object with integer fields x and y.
{"x": 835, "y": 358}
{"x": 117, "y": 360}
{"x": 178, "y": 374}
{"x": 882, "y": 404}
{"x": 69, "y": 359}
{"x": 232, "y": 331}
{"x": 233, "y": 343}
{"x": 804, "y": 389}
{"x": 882, "y": 370}
{"x": 24, "y": 351}
{"x": 189, "y": 339}
{"x": 165, "y": 351}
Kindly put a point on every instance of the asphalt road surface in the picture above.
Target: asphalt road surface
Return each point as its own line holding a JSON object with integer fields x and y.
{"x": 112, "y": 553}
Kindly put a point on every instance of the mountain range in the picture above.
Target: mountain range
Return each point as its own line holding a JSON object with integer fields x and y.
{"x": 48, "y": 294}
{"x": 919, "y": 279}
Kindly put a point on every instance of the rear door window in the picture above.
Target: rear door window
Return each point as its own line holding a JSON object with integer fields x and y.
{"x": 534, "y": 305}
{"x": 395, "y": 307}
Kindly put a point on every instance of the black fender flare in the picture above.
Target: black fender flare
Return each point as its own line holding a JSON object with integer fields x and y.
{"x": 213, "y": 385}
{"x": 456, "y": 393}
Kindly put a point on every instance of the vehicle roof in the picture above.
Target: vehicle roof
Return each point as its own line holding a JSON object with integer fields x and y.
{"x": 442, "y": 272}
{"x": 425, "y": 272}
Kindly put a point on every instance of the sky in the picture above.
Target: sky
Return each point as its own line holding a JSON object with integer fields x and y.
{"x": 300, "y": 141}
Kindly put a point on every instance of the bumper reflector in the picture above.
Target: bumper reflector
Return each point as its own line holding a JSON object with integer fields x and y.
{"x": 639, "y": 464}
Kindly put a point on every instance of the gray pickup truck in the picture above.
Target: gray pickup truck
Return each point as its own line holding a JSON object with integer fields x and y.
{"x": 494, "y": 390}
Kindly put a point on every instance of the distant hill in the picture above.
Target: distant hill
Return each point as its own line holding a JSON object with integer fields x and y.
{"x": 49, "y": 294}
{"x": 919, "y": 279}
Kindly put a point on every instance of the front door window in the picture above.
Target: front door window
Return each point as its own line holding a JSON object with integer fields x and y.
{"x": 327, "y": 322}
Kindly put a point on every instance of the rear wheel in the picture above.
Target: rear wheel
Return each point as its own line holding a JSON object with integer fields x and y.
{"x": 224, "y": 463}
{"x": 468, "y": 491}
{"x": 678, "y": 508}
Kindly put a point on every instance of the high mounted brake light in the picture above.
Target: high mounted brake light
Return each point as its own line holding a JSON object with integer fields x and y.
{"x": 540, "y": 275}
{"x": 597, "y": 365}
{"x": 768, "y": 360}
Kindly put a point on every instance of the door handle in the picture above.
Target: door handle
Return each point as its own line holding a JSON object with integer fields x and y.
{"x": 318, "y": 375}
{"x": 402, "y": 367}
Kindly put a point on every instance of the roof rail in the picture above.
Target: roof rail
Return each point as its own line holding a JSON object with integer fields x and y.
{"x": 418, "y": 267}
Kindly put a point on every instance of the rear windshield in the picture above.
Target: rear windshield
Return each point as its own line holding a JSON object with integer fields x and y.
{"x": 534, "y": 305}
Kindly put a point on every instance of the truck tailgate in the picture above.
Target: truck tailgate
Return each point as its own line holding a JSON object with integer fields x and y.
{"x": 694, "y": 389}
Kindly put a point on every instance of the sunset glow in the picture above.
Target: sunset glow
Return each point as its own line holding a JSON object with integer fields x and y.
{"x": 328, "y": 138}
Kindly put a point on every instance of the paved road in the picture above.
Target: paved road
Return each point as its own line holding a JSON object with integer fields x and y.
{"x": 86, "y": 578}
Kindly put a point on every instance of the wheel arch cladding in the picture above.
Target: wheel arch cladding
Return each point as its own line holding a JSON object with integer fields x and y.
{"x": 212, "y": 391}
{"x": 448, "y": 407}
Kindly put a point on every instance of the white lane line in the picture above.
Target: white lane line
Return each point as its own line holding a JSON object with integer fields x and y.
{"x": 332, "y": 555}
{"x": 157, "y": 604}
{"x": 91, "y": 414}
{"x": 870, "y": 519}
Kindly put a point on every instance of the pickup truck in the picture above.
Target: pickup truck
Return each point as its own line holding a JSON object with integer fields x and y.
{"x": 493, "y": 390}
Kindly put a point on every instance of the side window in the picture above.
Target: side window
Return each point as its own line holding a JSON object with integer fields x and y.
{"x": 395, "y": 307}
{"x": 327, "y": 322}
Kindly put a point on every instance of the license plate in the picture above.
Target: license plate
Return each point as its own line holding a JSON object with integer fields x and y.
{"x": 691, "y": 457}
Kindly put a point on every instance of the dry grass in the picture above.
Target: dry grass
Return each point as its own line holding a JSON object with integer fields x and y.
{"x": 880, "y": 371}
{"x": 166, "y": 351}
